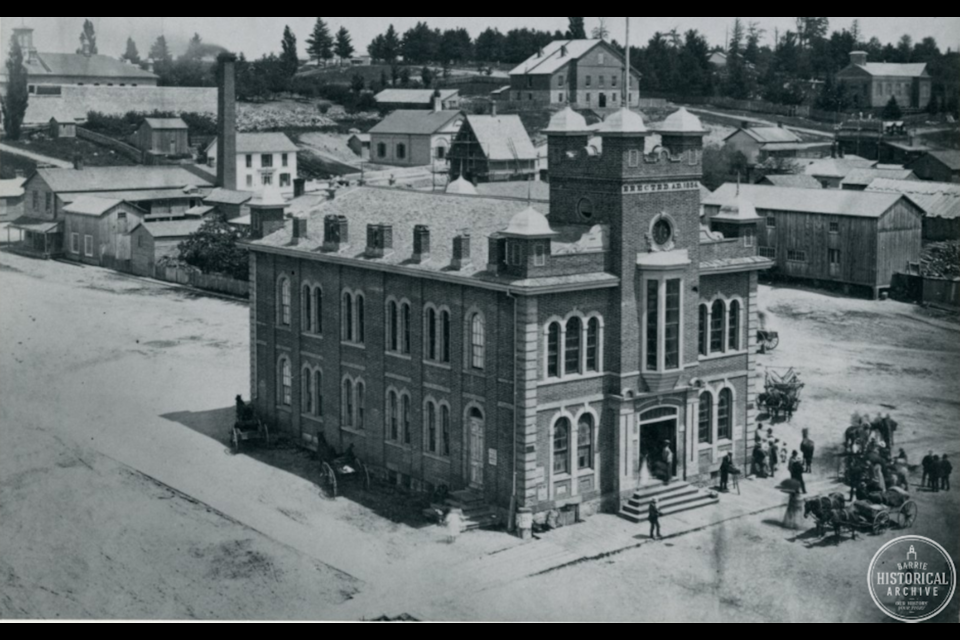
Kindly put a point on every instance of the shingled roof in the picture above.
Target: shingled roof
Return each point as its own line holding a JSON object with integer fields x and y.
{"x": 892, "y": 70}
{"x": 937, "y": 199}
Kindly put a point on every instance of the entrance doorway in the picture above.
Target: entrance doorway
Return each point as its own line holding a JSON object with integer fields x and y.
{"x": 658, "y": 427}
{"x": 603, "y": 101}
{"x": 475, "y": 441}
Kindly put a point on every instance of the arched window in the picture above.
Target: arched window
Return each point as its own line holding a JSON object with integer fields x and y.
{"x": 445, "y": 336}
{"x": 478, "y": 340}
{"x": 585, "y": 442}
{"x": 393, "y": 323}
{"x": 318, "y": 390}
{"x": 405, "y": 328}
{"x": 705, "y": 428}
{"x": 283, "y": 300}
{"x": 716, "y": 327}
{"x": 306, "y": 391}
{"x": 405, "y": 418}
{"x": 306, "y": 309}
{"x": 361, "y": 405}
{"x": 347, "y": 316}
{"x": 431, "y": 322}
{"x": 361, "y": 325}
{"x": 444, "y": 430}
{"x": 431, "y": 427}
{"x": 318, "y": 310}
{"x": 553, "y": 350}
{"x": 725, "y": 415}
{"x": 393, "y": 415}
{"x": 733, "y": 326}
{"x": 347, "y": 417}
{"x": 593, "y": 345}
{"x": 572, "y": 346}
{"x": 561, "y": 447}
{"x": 704, "y": 316}
{"x": 285, "y": 386}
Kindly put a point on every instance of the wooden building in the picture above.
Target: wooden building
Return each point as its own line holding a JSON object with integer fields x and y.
{"x": 97, "y": 231}
{"x": 492, "y": 149}
{"x": 938, "y": 166}
{"x": 940, "y": 202}
{"x": 152, "y": 241}
{"x": 414, "y": 138}
{"x": 847, "y": 238}
{"x": 164, "y": 136}
{"x": 872, "y": 84}
{"x": 417, "y": 99}
{"x": 63, "y": 127}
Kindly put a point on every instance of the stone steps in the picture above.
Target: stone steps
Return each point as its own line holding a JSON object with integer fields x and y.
{"x": 674, "y": 498}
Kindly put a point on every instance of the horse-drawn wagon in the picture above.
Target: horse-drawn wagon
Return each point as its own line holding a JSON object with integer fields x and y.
{"x": 781, "y": 393}
{"x": 337, "y": 469}
{"x": 768, "y": 340}
{"x": 248, "y": 427}
{"x": 833, "y": 512}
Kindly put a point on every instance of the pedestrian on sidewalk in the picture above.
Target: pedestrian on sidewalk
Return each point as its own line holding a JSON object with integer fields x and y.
{"x": 927, "y": 461}
{"x": 945, "y": 470}
{"x": 796, "y": 470}
{"x": 654, "y": 518}
{"x": 774, "y": 456}
{"x": 454, "y": 522}
{"x": 725, "y": 467}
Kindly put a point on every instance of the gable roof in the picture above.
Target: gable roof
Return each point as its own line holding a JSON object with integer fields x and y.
{"x": 120, "y": 179}
{"x": 949, "y": 158}
{"x": 765, "y": 135}
{"x": 166, "y": 123}
{"x": 893, "y": 70}
{"x": 863, "y": 177}
{"x": 228, "y": 196}
{"x": 834, "y": 167}
{"x": 94, "y": 66}
{"x": 413, "y": 96}
{"x": 502, "y": 137}
{"x": 173, "y": 228}
{"x": 92, "y": 206}
{"x": 409, "y": 122}
{"x": 840, "y": 202}
{"x": 556, "y": 55}
{"x": 937, "y": 199}
{"x": 12, "y": 188}
{"x": 801, "y": 181}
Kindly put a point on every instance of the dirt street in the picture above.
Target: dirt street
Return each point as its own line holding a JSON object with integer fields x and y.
{"x": 118, "y": 498}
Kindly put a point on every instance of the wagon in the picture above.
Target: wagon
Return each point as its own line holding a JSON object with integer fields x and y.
{"x": 248, "y": 427}
{"x": 336, "y": 469}
{"x": 768, "y": 340}
{"x": 865, "y": 516}
{"x": 782, "y": 393}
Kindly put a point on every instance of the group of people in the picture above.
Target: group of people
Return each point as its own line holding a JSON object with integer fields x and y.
{"x": 876, "y": 471}
{"x": 769, "y": 453}
{"x": 936, "y": 472}
{"x": 863, "y": 431}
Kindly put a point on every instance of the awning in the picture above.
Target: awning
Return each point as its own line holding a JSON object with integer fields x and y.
{"x": 35, "y": 225}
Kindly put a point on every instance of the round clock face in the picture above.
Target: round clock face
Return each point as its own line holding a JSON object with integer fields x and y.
{"x": 662, "y": 232}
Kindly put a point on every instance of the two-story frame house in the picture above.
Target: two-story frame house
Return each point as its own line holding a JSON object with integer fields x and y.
{"x": 263, "y": 160}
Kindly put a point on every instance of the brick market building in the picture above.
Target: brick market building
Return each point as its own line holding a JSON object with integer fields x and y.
{"x": 531, "y": 354}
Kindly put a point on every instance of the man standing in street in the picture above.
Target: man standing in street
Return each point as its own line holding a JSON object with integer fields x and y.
{"x": 935, "y": 474}
{"x": 796, "y": 471}
{"x": 774, "y": 457}
{"x": 807, "y": 449}
{"x": 926, "y": 463}
{"x": 725, "y": 468}
{"x": 945, "y": 470}
{"x": 654, "y": 518}
{"x": 668, "y": 462}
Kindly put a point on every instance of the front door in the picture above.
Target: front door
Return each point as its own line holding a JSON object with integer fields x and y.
{"x": 475, "y": 436}
{"x": 653, "y": 437}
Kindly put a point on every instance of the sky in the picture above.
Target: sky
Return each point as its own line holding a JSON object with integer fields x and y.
{"x": 256, "y": 36}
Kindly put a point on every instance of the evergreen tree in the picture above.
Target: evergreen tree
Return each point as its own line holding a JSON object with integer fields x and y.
{"x": 344, "y": 46}
{"x": 489, "y": 46}
{"x": 427, "y": 77}
{"x": 391, "y": 45}
{"x": 290, "y": 61}
{"x": 131, "y": 55}
{"x": 892, "y": 111}
{"x": 577, "y": 29}
{"x": 405, "y": 77}
{"x": 420, "y": 44}
{"x": 160, "y": 52}
{"x": 358, "y": 84}
{"x": 88, "y": 38}
{"x": 320, "y": 42}
{"x": 195, "y": 48}
{"x": 14, "y": 103}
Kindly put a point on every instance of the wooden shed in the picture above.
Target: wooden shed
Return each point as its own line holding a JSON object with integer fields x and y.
{"x": 164, "y": 136}
{"x": 63, "y": 127}
{"x": 849, "y": 238}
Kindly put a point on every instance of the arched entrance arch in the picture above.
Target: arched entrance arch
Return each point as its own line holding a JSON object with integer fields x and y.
{"x": 658, "y": 427}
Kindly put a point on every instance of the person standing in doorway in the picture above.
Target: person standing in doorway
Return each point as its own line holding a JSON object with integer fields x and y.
{"x": 667, "y": 458}
{"x": 654, "y": 517}
{"x": 796, "y": 470}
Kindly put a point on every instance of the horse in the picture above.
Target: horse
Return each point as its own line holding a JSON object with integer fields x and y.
{"x": 773, "y": 401}
{"x": 831, "y": 510}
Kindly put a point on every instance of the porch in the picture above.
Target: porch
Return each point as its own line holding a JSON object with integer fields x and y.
{"x": 37, "y": 238}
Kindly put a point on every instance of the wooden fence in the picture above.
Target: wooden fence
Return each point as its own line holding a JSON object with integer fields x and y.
{"x": 910, "y": 287}
{"x": 209, "y": 282}
{"x": 122, "y": 148}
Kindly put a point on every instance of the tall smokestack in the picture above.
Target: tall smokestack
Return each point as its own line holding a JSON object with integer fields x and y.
{"x": 227, "y": 122}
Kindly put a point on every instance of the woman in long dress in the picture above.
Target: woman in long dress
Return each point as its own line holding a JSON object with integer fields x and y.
{"x": 794, "y": 516}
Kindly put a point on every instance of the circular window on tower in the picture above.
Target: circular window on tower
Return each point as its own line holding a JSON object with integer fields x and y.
{"x": 662, "y": 233}
{"x": 585, "y": 208}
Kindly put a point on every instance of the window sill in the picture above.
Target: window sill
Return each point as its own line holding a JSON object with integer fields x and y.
{"x": 397, "y": 445}
{"x": 720, "y": 356}
{"x": 356, "y": 432}
{"x": 315, "y": 336}
{"x": 311, "y": 418}
{"x": 560, "y": 477}
{"x": 438, "y": 365}
{"x": 355, "y": 345}
{"x": 433, "y": 456}
{"x": 400, "y": 356}
{"x": 573, "y": 378}
{"x": 476, "y": 373}
{"x": 282, "y": 327}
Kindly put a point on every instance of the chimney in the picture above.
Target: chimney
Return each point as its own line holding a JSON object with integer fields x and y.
{"x": 841, "y": 151}
{"x": 833, "y": 150}
{"x": 437, "y": 102}
{"x": 780, "y": 124}
{"x": 78, "y": 162}
{"x": 379, "y": 240}
{"x": 299, "y": 187}
{"x": 334, "y": 232}
{"x": 18, "y": 173}
{"x": 461, "y": 252}
{"x": 563, "y": 51}
{"x": 421, "y": 243}
{"x": 299, "y": 230}
{"x": 858, "y": 58}
{"x": 745, "y": 124}
{"x": 227, "y": 122}
{"x": 493, "y": 108}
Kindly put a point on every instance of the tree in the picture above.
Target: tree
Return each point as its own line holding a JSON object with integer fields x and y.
{"x": 905, "y": 49}
{"x": 856, "y": 32}
{"x": 160, "y": 52}
{"x": 420, "y": 44}
{"x": 344, "y": 46}
{"x": 405, "y": 77}
{"x": 213, "y": 249}
{"x": 395, "y": 73}
{"x": 391, "y": 45}
{"x": 195, "y": 48}
{"x": 722, "y": 165}
{"x": 131, "y": 55}
{"x": 88, "y": 39}
{"x": 427, "y": 77}
{"x": 601, "y": 32}
{"x": 752, "y": 51}
{"x": 489, "y": 46}
{"x": 892, "y": 111}
{"x": 14, "y": 104}
{"x": 456, "y": 46}
{"x": 358, "y": 84}
{"x": 577, "y": 29}
{"x": 320, "y": 42}
{"x": 290, "y": 61}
